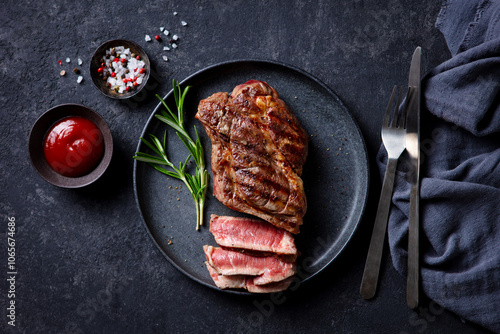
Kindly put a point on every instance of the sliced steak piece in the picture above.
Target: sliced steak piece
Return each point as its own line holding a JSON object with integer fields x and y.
{"x": 268, "y": 288}
{"x": 226, "y": 281}
{"x": 253, "y": 235}
{"x": 266, "y": 269}
{"x": 258, "y": 150}
{"x": 246, "y": 282}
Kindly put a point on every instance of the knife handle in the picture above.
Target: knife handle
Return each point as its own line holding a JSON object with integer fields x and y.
{"x": 374, "y": 258}
{"x": 412, "y": 283}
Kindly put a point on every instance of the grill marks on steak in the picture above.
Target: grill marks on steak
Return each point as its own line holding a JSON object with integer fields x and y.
{"x": 258, "y": 150}
{"x": 254, "y": 236}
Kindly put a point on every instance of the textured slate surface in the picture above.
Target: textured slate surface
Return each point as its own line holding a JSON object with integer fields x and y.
{"x": 84, "y": 260}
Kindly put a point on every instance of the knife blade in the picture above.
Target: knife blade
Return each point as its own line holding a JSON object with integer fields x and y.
{"x": 413, "y": 177}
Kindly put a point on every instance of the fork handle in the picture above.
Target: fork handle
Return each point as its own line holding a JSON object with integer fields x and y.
{"x": 374, "y": 258}
{"x": 412, "y": 283}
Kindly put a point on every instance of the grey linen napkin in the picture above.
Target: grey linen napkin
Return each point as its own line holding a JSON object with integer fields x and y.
{"x": 460, "y": 187}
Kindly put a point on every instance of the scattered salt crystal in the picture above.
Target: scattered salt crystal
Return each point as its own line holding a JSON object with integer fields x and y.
{"x": 166, "y": 32}
{"x": 184, "y": 23}
{"x": 68, "y": 60}
{"x": 162, "y": 28}
{"x": 175, "y": 13}
{"x": 174, "y": 46}
{"x": 80, "y": 61}
{"x": 166, "y": 48}
{"x": 175, "y": 37}
{"x": 80, "y": 79}
{"x": 147, "y": 38}
{"x": 165, "y": 58}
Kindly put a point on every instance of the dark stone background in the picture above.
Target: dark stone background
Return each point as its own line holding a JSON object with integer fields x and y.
{"x": 85, "y": 262}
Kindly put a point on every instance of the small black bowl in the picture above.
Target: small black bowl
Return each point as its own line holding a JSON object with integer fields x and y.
{"x": 37, "y": 136}
{"x": 95, "y": 63}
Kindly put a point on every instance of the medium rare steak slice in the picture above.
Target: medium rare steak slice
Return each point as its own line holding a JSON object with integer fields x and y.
{"x": 246, "y": 282}
{"x": 226, "y": 281}
{"x": 266, "y": 269}
{"x": 268, "y": 288}
{"x": 252, "y": 234}
{"x": 258, "y": 150}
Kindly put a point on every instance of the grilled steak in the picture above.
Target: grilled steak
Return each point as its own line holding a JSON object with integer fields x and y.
{"x": 258, "y": 150}
{"x": 253, "y": 235}
{"x": 246, "y": 282}
{"x": 265, "y": 269}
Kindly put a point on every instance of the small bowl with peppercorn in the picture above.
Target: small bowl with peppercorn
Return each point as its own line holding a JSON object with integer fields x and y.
{"x": 119, "y": 68}
{"x": 70, "y": 146}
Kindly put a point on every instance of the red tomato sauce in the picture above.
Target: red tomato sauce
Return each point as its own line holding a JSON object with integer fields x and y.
{"x": 74, "y": 146}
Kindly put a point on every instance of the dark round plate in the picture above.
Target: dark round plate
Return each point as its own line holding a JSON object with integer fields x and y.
{"x": 336, "y": 174}
{"x": 37, "y": 136}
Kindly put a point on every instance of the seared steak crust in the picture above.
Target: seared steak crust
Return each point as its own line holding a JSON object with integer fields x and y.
{"x": 258, "y": 150}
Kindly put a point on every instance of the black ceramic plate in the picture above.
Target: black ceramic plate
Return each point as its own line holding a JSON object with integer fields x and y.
{"x": 335, "y": 175}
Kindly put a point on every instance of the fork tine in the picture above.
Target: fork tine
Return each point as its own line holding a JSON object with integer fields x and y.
{"x": 397, "y": 121}
{"x": 402, "y": 118}
{"x": 389, "y": 108}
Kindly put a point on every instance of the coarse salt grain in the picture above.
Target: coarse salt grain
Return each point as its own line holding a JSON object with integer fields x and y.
{"x": 166, "y": 48}
{"x": 174, "y": 46}
{"x": 162, "y": 28}
{"x": 184, "y": 23}
{"x": 68, "y": 60}
{"x": 175, "y": 37}
{"x": 175, "y": 13}
{"x": 165, "y": 58}
{"x": 147, "y": 38}
{"x": 80, "y": 61}
{"x": 80, "y": 79}
{"x": 166, "y": 32}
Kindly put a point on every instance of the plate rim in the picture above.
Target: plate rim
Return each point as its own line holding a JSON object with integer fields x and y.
{"x": 261, "y": 62}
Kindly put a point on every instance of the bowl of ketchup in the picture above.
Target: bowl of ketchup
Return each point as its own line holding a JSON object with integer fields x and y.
{"x": 70, "y": 146}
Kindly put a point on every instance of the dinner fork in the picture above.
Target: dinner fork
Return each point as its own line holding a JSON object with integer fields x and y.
{"x": 393, "y": 137}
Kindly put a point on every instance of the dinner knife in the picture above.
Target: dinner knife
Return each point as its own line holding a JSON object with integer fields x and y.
{"x": 413, "y": 177}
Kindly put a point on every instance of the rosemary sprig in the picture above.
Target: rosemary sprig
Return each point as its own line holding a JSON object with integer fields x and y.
{"x": 196, "y": 183}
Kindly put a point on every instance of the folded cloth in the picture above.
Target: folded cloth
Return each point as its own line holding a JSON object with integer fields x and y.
{"x": 460, "y": 186}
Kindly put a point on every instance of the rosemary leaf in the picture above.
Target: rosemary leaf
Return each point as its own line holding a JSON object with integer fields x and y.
{"x": 197, "y": 182}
